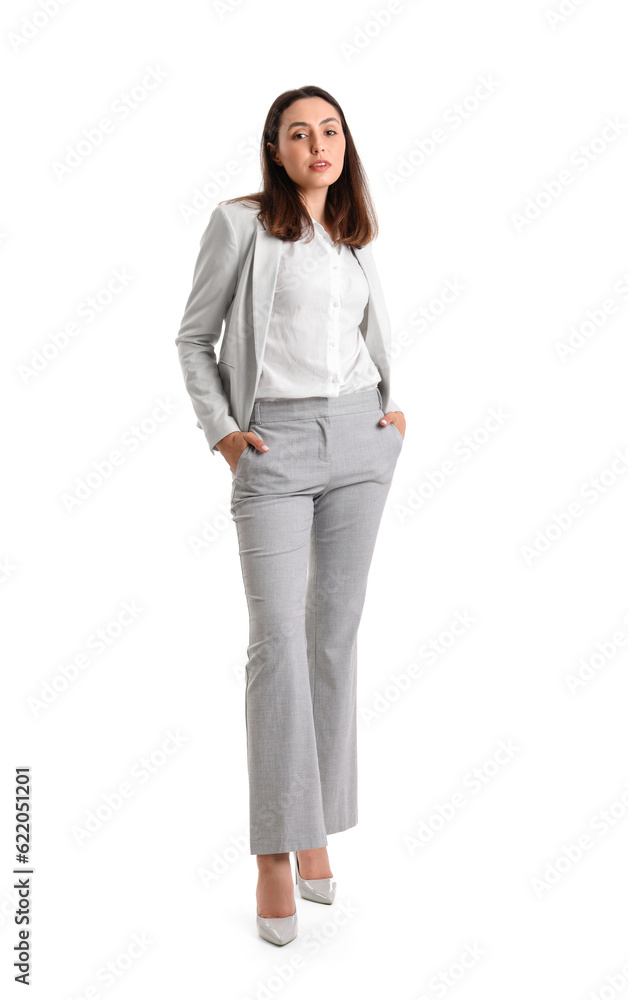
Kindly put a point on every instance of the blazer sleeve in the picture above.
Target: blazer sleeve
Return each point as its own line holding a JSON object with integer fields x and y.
{"x": 213, "y": 287}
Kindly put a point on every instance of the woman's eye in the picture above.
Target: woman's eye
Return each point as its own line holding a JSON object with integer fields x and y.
{"x": 329, "y": 131}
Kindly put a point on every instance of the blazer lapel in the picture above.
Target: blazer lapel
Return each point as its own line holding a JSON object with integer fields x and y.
{"x": 377, "y": 329}
{"x": 266, "y": 257}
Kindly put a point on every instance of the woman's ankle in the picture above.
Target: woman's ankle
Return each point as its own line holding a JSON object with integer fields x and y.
{"x": 270, "y": 862}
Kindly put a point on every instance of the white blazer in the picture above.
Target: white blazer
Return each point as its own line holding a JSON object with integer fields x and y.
{"x": 234, "y": 280}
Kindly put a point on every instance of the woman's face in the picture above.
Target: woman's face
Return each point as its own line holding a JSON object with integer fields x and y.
{"x": 310, "y": 131}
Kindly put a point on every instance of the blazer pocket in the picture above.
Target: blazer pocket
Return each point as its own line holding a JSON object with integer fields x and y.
{"x": 221, "y": 361}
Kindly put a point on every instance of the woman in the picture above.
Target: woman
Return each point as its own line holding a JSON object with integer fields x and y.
{"x": 298, "y": 404}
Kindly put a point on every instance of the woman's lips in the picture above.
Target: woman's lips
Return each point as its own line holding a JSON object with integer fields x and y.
{"x": 324, "y": 166}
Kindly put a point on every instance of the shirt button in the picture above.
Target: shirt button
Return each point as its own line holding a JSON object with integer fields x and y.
{"x": 335, "y": 305}
{"x": 334, "y": 379}
{"x": 336, "y": 266}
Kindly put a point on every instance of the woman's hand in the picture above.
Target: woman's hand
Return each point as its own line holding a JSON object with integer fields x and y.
{"x": 232, "y": 445}
{"x": 397, "y": 418}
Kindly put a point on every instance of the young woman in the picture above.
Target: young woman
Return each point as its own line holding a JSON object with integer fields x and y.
{"x": 298, "y": 404}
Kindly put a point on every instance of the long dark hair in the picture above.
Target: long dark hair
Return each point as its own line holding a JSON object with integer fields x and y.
{"x": 281, "y": 207}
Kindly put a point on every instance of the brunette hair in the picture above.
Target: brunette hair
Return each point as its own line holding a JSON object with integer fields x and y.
{"x": 280, "y": 203}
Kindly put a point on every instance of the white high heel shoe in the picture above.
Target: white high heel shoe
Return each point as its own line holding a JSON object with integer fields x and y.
{"x": 319, "y": 890}
{"x": 278, "y": 930}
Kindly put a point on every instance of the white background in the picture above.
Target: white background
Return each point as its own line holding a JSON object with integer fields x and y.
{"x": 171, "y": 863}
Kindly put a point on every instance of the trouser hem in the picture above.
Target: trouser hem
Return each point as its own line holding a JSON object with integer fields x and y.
{"x": 286, "y": 846}
{"x": 341, "y": 827}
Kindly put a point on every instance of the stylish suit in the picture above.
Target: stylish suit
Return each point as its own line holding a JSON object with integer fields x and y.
{"x": 234, "y": 279}
{"x": 307, "y": 514}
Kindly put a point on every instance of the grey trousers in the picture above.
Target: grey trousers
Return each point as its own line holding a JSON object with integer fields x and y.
{"x": 307, "y": 513}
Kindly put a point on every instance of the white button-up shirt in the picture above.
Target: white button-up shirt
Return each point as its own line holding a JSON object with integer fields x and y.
{"x": 314, "y": 346}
